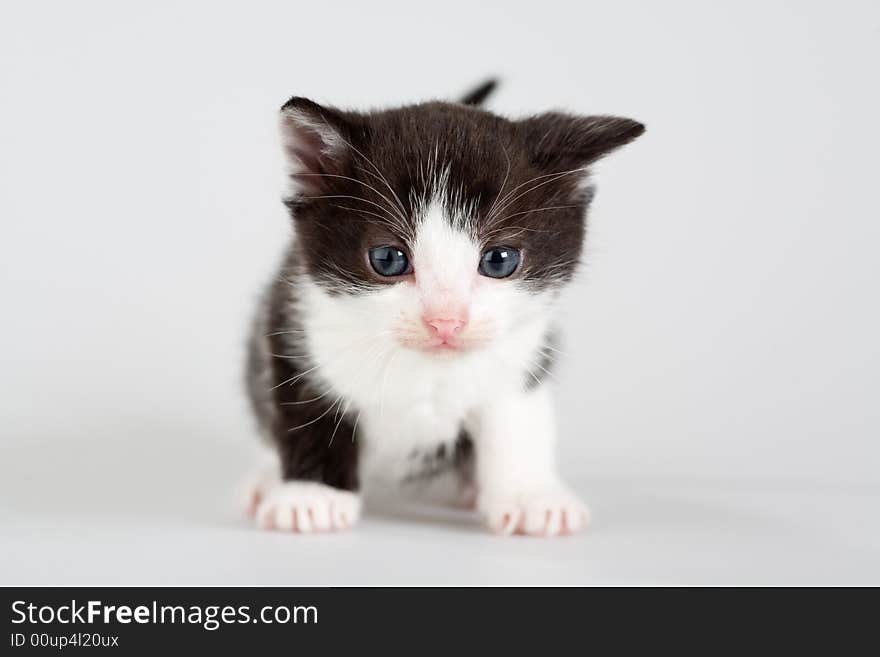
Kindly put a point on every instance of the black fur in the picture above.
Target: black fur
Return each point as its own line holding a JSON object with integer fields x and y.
{"x": 457, "y": 457}
{"x": 543, "y": 158}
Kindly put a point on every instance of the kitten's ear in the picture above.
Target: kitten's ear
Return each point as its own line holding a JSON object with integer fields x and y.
{"x": 562, "y": 142}
{"x": 314, "y": 142}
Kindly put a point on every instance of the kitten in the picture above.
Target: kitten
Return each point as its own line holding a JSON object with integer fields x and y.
{"x": 406, "y": 340}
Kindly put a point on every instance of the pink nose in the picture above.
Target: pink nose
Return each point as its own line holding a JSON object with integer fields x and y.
{"x": 445, "y": 328}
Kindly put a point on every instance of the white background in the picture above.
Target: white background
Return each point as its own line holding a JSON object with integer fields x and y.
{"x": 719, "y": 401}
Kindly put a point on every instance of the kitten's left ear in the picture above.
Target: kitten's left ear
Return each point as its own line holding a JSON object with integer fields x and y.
{"x": 562, "y": 142}
{"x": 314, "y": 142}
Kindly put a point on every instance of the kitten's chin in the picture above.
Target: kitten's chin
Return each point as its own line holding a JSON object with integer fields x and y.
{"x": 444, "y": 350}
{"x": 440, "y": 349}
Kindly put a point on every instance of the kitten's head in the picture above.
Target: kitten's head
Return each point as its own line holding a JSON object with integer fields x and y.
{"x": 441, "y": 226}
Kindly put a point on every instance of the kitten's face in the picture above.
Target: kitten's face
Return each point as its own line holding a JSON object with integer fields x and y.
{"x": 441, "y": 228}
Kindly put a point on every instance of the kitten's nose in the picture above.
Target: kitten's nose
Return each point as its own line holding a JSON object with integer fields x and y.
{"x": 445, "y": 328}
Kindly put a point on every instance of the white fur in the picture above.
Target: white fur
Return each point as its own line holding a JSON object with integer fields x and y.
{"x": 368, "y": 348}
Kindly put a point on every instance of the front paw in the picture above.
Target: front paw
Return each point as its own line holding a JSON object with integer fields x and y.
{"x": 305, "y": 507}
{"x": 550, "y": 510}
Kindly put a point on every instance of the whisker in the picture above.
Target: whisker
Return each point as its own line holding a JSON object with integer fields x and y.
{"x": 306, "y": 401}
{"x": 339, "y": 354}
{"x": 354, "y": 428}
{"x": 552, "y": 348}
{"x": 540, "y": 177}
{"x": 503, "y": 183}
{"x": 394, "y": 220}
{"x": 403, "y": 233}
{"x": 534, "y": 376}
{"x": 549, "y": 207}
{"x": 378, "y": 172}
{"x": 294, "y": 378}
{"x": 381, "y": 178}
{"x": 349, "y": 402}
{"x": 391, "y": 207}
{"x": 540, "y": 367}
{"x": 553, "y": 177}
{"x": 310, "y": 422}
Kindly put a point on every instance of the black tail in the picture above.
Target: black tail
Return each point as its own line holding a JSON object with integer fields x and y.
{"x": 480, "y": 93}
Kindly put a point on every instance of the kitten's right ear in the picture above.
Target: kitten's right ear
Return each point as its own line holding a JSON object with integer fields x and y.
{"x": 314, "y": 142}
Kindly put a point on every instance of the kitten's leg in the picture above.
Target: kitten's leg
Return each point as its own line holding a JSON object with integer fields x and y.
{"x": 313, "y": 484}
{"x": 318, "y": 455}
{"x": 519, "y": 488}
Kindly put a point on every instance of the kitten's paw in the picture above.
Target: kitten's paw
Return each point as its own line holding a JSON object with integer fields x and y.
{"x": 541, "y": 511}
{"x": 305, "y": 506}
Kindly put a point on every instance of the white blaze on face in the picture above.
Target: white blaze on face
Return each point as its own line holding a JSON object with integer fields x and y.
{"x": 445, "y": 261}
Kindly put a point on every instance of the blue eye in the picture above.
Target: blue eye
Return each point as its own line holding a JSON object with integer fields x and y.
{"x": 389, "y": 261}
{"x": 499, "y": 262}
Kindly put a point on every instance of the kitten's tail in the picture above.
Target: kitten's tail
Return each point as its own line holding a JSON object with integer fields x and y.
{"x": 480, "y": 93}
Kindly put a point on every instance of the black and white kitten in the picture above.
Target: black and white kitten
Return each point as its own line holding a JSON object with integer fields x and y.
{"x": 408, "y": 334}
